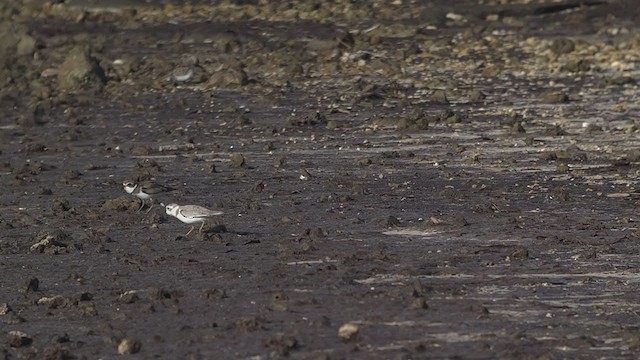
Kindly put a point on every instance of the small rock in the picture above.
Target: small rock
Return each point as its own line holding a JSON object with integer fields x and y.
{"x": 310, "y": 119}
{"x": 560, "y": 193}
{"x": 240, "y": 122}
{"x": 214, "y": 294}
{"x": 129, "y": 297}
{"x": 210, "y": 169}
{"x": 79, "y": 70}
{"x": 27, "y": 220}
{"x": 51, "y": 243}
{"x": 52, "y": 302}
{"x": 416, "y": 119}
{"x": 12, "y": 319}
{"x": 162, "y": 294}
{"x": 529, "y": 140}
{"x": 448, "y": 116}
{"x": 590, "y": 254}
{"x": 228, "y": 77}
{"x": 280, "y": 161}
{"x": 18, "y": 339}
{"x": 269, "y": 146}
{"x": 282, "y": 343}
{"x": 592, "y": 128}
{"x": 249, "y": 323}
{"x": 439, "y": 97}
{"x": 633, "y": 340}
{"x": 549, "y": 156}
{"x": 419, "y": 290}
{"x": 305, "y": 175}
{"x": 479, "y": 309}
{"x": 454, "y": 119}
{"x": 619, "y": 80}
{"x": 517, "y": 128}
{"x": 472, "y": 159}
{"x": 5, "y": 224}
{"x": 315, "y": 233}
{"x": 26, "y": 45}
{"x": 392, "y": 221}
{"x": 60, "y": 205}
{"x": 419, "y": 303}
{"x": 88, "y": 310}
{"x": 554, "y": 97}
{"x": 5, "y": 309}
{"x": 458, "y": 220}
{"x": 562, "y": 46}
{"x": 359, "y": 190}
{"x": 520, "y": 253}
{"x": 477, "y": 96}
{"x": 555, "y": 130}
{"x": 348, "y": 331}
{"x": 29, "y": 285}
{"x": 56, "y": 352}
{"x": 72, "y": 175}
{"x": 237, "y": 160}
{"x": 36, "y": 148}
{"x": 563, "y": 167}
{"x": 83, "y": 296}
{"x": 581, "y": 65}
{"x": 140, "y": 150}
{"x": 129, "y": 346}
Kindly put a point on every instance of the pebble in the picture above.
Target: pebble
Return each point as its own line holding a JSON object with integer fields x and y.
{"x": 129, "y": 346}
{"x": 18, "y": 339}
{"x": 348, "y": 331}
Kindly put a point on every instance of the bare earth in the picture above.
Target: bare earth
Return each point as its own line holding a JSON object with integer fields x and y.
{"x": 400, "y": 180}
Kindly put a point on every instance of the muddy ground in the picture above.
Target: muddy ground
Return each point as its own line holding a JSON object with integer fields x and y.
{"x": 400, "y": 180}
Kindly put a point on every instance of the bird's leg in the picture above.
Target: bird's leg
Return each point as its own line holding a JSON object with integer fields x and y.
{"x": 201, "y": 226}
{"x": 141, "y": 206}
{"x": 150, "y": 206}
{"x": 190, "y": 230}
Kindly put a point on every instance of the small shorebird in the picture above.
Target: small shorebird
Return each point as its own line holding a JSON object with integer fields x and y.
{"x": 145, "y": 190}
{"x": 191, "y": 214}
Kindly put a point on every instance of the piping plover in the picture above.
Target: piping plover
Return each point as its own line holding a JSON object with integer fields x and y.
{"x": 145, "y": 190}
{"x": 191, "y": 214}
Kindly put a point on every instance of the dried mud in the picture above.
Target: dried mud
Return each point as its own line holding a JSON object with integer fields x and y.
{"x": 400, "y": 180}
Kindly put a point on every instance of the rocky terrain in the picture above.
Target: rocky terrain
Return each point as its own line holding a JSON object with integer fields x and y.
{"x": 400, "y": 179}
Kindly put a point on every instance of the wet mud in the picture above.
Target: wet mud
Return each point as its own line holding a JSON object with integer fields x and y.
{"x": 400, "y": 180}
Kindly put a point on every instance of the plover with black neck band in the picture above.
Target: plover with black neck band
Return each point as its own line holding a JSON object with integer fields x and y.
{"x": 145, "y": 190}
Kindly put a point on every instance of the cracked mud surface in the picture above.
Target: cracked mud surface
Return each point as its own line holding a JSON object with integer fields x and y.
{"x": 398, "y": 180}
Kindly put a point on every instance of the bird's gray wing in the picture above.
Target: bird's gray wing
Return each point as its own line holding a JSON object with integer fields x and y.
{"x": 195, "y": 211}
{"x": 152, "y": 188}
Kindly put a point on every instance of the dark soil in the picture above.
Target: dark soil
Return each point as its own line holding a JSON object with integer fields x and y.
{"x": 400, "y": 180}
